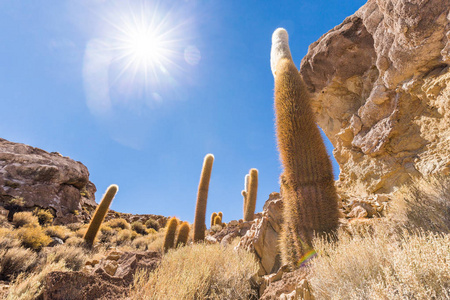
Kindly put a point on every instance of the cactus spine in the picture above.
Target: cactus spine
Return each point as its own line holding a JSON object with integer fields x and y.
{"x": 169, "y": 238}
{"x": 310, "y": 200}
{"x": 218, "y": 220}
{"x": 99, "y": 214}
{"x": 202, "y": 197}
{"x": 213, "y": 216}
{"x": 183, "y": 234}
{"x": 251, "y": 196}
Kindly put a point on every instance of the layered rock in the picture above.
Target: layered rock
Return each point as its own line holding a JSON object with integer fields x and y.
{"x": 45, "y": 180}
{"x": 262, "y": 237}
{"x": 380, "y": 86}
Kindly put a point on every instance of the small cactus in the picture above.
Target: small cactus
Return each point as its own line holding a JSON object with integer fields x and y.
{"x": 251, "y": 196}
{"x": 183, "y": 234}
{"x": 220, "y": 214}
{"x": 99, "y": 214}
{"x": 169, "y": 238}
{"x": 202, "y": 197}
{"x": 245, "y": 191}
{"x": 213, "y": 216}
{"x": 218, "y": 220}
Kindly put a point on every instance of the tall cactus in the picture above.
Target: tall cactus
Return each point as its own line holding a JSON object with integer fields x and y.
{"x": 99, "y": 214}
{"x": 183, "y": 234}
{"x": 169, "y": 238}
{"x": 202, "y": 197}
{"x": 213, "y": 216}
{"x": 251, "y": 196}
{"x": 310, "y": 200}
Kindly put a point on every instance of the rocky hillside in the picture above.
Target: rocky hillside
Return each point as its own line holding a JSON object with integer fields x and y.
{"x": 39, "y": 179}
{"x": 381, "y": 84}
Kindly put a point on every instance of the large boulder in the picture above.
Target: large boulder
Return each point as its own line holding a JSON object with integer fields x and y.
{"x": 45, "y": 180}
{"x": 380, "y": 86}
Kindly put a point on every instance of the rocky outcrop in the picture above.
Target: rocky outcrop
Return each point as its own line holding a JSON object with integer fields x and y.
{"x": 262, "y": 237}
{"x": 380, "y": 86}
{"x": 46, "y": 180}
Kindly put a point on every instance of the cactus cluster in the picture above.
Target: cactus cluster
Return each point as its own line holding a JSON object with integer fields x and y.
{"x": 307, "y": 185}
{"x": 171, "y": 232}
{"x": 202, "y": 197}
{"x": 250, "y": 193}
{"x": 99, "y": 215}
{"x": 216, "y": 218}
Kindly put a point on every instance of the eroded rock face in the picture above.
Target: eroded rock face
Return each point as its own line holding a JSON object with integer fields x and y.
{"x": 46, "y": 180}
{"x": 380, "y": 86}
{"x": 262, "y": 237}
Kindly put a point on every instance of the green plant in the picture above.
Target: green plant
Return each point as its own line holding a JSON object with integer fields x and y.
{"x": 307, "y": 185}
{"x": 251, "y": 195}
{"x": 169, "y": 238}
{"x": 44, "y": 216}
{"x": 100, "y": 214}
{"x": 183, "y": 234}
{"x": 202, "y": 197}
{"x": 213, "y": 216}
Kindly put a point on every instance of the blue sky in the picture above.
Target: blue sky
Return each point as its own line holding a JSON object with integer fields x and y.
{"x": 70, "y": 82}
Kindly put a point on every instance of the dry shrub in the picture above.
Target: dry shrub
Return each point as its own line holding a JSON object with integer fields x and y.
{"x": 4, "y": 222}
{"x": 58, "y": 231}
{"x": 152, "y": 223}
{"x": 106, "y": 234}
{"x": 381, "y": 266}
{"x": 423, "y": 204}
{"x": 198, "y": 272}
{"x": 118, "y": 223}
{"x": 81, "y": 231}
{"x": 30, "y": 286}
{"x": 74, "y": 257}
{"x": 24, "y": 218}
{"x": 8, "y": 239}
{"x": 75, "y": 241}
{"x": 125, "y": 235}
{"x": 44, "y": 216}
{"x": 14, "y": 261}
{"x": 33, "y": 237}
{"x": 138, "y": 227}
{"x": 152, "y": 242}
{"x": 74, "y": 226}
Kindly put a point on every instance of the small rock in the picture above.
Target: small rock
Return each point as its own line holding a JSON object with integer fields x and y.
{"x": 357, "y": 212}
{"x": 110, "y": 267}
{"x": 55, "y": 241}
{"x": 210, "y": 240}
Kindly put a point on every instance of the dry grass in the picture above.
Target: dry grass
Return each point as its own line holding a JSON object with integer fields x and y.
{"x": 151, "y": 223}
{"x": 30, "y": 286}
{"x": 424, "y": 204}
{"x": 377, "y": 266}
{"x": 198, "y": 272}
{"x": 24, "y": 218}
{"x": 74, "y": 257}
{"x": 44, "y": 216}
{"x": 16, "y": 260}
{"x": 58, "y": 231}
{"x": 138, "y": 227}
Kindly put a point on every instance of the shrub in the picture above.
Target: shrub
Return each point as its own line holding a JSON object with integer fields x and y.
{"x": 74, "y": 257}
{"x": 14, "y": 261}
{"x": 8, "y": 239}
{"x": 125, "y": 235}
{"x": 138, "y": 227}
{"x": 424, "y": 204}
{"x": 106, "y": 234}
{"x": 118, "y": 223}
{"x": 33, "y": 237}
{"x": 380, "y": 266}
{"x": 24, "y": 218}
{"x": 198, "y": 272}
{"x": 57, "y": 231}
{"x": 74, "y": 241}
{"x": 152, "y": 223}
{"x": 74, "y": 226}
{"x": 44, "y": 216}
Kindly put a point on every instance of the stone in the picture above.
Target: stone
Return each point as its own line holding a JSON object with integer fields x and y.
{"x": 380, "y": 88}
{"x": 262, "y": 237}
{"x": 46, "y": 180}
{"x": 55, "y": 241}
{"x": 110, "y": 267}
